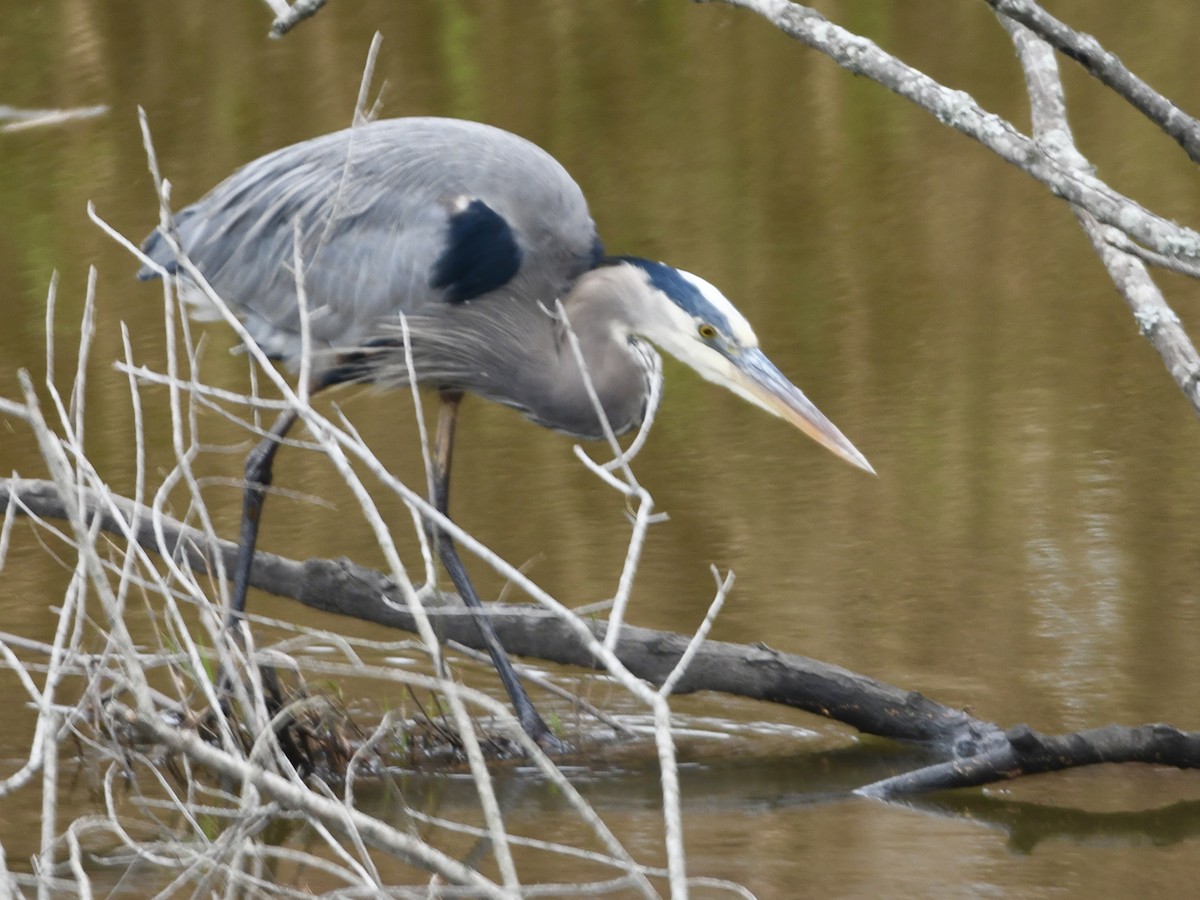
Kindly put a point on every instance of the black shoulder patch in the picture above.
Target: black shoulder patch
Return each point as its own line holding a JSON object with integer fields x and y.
{"x": 481, "y": 254}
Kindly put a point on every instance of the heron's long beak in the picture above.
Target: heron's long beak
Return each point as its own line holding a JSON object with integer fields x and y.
{"x": 759, "y": 381}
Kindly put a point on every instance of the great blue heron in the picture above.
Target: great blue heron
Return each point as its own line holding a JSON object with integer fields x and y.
{"x": 474, "y": 235}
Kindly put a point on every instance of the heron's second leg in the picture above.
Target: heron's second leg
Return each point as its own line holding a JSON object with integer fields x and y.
{"x": 258, "y": 479}
{"x": 527, "y": 715}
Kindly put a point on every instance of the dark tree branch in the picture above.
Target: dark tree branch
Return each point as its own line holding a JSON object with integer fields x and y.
{"x": 1026, "y": 752}
{"x": 981, "y": 752}
{"x": 1107, "y": 68}
{"x": 753, "y": 671}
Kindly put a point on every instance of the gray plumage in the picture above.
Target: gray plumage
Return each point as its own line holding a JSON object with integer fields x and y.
{"x": 474, "y": 235}
{"x": 374, "y": 206}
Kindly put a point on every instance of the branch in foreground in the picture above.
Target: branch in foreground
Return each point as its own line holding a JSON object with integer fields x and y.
{"x": 983, "y": 753}
{"x": 297, "y": 796}
{"x": 753, "y": 671}
{"x": 36, "y": 118}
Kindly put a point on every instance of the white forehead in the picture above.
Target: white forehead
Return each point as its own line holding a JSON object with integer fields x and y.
{"x": 739, "y": 328}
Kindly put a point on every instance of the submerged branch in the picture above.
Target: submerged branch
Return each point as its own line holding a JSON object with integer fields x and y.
{"x": 1028, "y": 825}
{"x": 1027, "y": 752}
{"x": 753, "y": 671}
{"x": 295, "y": 795}
{"x": 980, "y": 752}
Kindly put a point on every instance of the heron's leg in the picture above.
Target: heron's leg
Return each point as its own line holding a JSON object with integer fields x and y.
{"x": 258, "y": 479}
{"x": 527, "y": 715}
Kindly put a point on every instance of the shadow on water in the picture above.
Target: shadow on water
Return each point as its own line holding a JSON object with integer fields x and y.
{"x": 1029, "y": 825}
{"x": 724, "y": 768}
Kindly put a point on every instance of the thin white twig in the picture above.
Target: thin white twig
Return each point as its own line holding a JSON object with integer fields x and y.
{"x": 723, "y": 587}
{"x": 348, "y": 453}
{"x": 426, "y": 458}
{"x": 49, "y": 823}
{"x": 653, "y": 400}
{"x": 601, "y": 416}
{"x": 361, "y": 114}
{"x": 304, "y": 382}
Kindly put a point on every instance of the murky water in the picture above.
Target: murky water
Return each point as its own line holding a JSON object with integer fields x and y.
{"x": 1029, "y": 548}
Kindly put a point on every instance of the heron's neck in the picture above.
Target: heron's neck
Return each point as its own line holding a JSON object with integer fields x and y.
{"x": 618, "y": 365}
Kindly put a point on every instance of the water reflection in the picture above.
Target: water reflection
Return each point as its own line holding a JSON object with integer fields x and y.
{"x": 1029, "y": 825}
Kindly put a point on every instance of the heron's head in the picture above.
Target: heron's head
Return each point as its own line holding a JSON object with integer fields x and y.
{"x": 689, "y": 318}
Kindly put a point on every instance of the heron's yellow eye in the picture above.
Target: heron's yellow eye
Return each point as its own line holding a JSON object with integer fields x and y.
{"x": 708, "y": 332}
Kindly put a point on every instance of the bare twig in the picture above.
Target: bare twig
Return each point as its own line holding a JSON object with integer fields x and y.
{"x": 21, "y": 119}
{"x": 1050, "y": 158}
{"x": 755, "y": 671}
{"x": 550, "y": 687}
{"x": 288, "y": 17}
{"x": 1155, "y": 318}
{"x": 960, "y": 111}
{"x": 330, "y": 812}
{"x": 1107, "y": 68}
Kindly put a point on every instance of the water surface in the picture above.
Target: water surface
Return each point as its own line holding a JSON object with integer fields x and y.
{"x": 1029, "y": 547}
